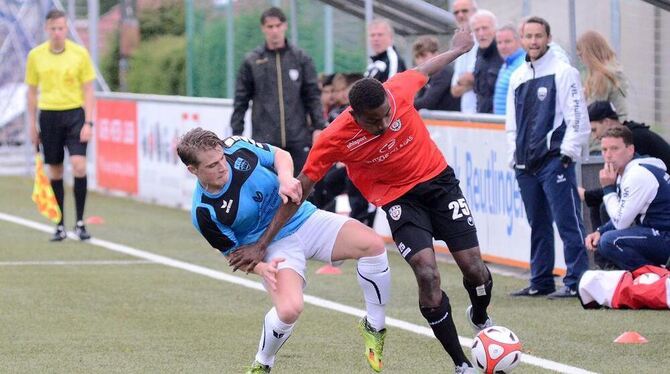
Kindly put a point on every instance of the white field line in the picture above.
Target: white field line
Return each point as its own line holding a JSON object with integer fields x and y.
{"x": 314, "y": 300}
{"x": 75, "y": 263}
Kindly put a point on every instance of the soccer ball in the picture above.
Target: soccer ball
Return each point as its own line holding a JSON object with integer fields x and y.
{"x": 496, "y": 350}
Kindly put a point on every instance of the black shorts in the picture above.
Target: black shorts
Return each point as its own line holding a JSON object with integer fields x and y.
{"x": 432, "y": 209}
{"x": 60, "y": 129}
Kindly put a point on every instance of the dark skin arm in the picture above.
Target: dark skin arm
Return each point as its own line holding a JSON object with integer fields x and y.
{"x": 460, "y": 43}
{"x": 248, "y": 256}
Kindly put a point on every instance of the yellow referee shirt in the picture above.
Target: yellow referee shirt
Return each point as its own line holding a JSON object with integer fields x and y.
{"x": 59, "y": 77}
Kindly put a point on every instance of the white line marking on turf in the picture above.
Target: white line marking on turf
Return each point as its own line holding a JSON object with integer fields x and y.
{"x": 314, "y": 300}
{"x": 75, "y": 263}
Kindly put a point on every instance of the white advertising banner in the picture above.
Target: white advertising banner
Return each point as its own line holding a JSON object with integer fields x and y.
{"x": 478, "y": 154}
{"x": 163, "y": 178}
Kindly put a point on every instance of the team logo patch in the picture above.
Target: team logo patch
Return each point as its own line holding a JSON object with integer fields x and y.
{"x": 542, "y": 93}
{"x": 396, "y": 125}
{"x": 471, "y": 221}
{"x": 294, "y": 74}
{"x": 395, "y": 212}
{"x": 242, "y": 164}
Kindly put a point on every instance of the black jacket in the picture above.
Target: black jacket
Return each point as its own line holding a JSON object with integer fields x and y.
{"x": 278, "y": 118}
{"x": 486, "y": 71}
{"x": 436, "y": 94}
{"x": 385, "y": 65}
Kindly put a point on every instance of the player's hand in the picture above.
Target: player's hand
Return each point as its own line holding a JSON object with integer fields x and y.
{"x": 246, "y": 257}
{"x": 85, "y": 133}
{"x": 607, "y": 175}
{"x": 290, "y": 189}
{"x": 268, "y": 271}
{"x": 592, "y": 241}
{"x": 462, "y": 40}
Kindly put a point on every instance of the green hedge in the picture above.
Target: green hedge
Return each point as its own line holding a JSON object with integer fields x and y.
{"x": 158, "y": 66}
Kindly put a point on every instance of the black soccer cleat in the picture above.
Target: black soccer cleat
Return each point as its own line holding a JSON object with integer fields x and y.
{"x": 59, "y": 234}
{"x": 80, "y": 231}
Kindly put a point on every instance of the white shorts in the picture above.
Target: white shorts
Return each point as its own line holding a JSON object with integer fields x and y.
{"x": 314, "y": 240}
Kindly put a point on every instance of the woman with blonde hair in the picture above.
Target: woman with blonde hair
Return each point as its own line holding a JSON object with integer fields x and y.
{"x": 604, "y": 77}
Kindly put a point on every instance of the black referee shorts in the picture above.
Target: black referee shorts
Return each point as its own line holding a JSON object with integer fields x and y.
{"x": 60, "y": 129}
{"x": 432, "y": 209}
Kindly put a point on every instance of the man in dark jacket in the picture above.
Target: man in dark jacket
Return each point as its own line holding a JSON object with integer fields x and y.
{"x": 487, "y": 65}
{"x": 603, "y": 116}
{"x": 282, "y": 82}
{"x": 385, "y": 62}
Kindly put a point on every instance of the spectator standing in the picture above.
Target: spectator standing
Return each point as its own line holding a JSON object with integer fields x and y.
{"x": 604, "y": 80}
{"x": 63, "y": 72}
{"x": 463, "y": 79}
{"x": 385, "y": 62}
{"x": 436, "y": 94}
{"x": 483, "y": 24}
{"x": 637, "y": 197}
{"x": 547, "y": 127}
{"x": 509, "y": 47}
{"x": 282, "y": 82}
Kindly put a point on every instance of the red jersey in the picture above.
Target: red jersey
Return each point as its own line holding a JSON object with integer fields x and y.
{"x": 383, "y": 167}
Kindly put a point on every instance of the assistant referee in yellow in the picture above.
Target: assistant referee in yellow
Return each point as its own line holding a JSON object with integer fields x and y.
{"x": 63, "y": 73}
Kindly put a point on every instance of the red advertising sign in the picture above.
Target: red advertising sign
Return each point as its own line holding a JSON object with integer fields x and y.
{"x": 116, "y": 137}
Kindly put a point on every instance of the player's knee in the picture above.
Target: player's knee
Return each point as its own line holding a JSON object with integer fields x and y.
{"x": 289, "y": 312}
{"x": 427, "y": 275}
{"x": 375, "y": 246}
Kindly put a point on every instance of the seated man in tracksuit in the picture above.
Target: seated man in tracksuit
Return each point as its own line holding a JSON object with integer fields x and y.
{"x": 637, "y": 198}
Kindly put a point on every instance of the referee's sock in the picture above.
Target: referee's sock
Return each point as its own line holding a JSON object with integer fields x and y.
{"x": 275, "y": 334}
{"x": 57, "y": 186}
{"x": 374, "y": 277}
{"x": 80, "y": 189}
{"x": 442, "y": 323}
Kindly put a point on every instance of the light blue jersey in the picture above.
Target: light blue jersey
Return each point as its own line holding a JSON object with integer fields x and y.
{"x": 242, "y": 210}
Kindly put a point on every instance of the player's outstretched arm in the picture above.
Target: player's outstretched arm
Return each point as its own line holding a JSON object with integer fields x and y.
{"x": 289, "y": 187}
{"x": 460, "y": 43}
{"x": 246, "y": 257}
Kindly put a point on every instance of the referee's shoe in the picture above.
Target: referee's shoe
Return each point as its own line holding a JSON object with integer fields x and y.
{"x": 80, "y": 231}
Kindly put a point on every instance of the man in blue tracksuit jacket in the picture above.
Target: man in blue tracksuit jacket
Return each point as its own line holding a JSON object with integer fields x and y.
{"x": 547, "y": 127}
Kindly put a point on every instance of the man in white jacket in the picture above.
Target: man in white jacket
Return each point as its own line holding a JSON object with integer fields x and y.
{"x": 637, "y": 198}
{"x": 547, "y": 127}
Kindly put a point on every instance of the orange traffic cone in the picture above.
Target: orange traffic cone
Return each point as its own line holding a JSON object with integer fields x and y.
{"x": 631, "y": 337}
{"x": 94, "y": 220}
{"x": 329, "y": 270}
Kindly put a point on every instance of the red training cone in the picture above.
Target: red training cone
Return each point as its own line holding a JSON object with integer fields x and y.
{"x": 329, "y": 270}
{"x": 631, "y": 337}
{"x": 94, "y": 220}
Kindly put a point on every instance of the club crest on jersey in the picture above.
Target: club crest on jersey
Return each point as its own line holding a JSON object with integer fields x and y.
{"x": 542, "y": 93}
{"x": 242, "y": 164}
{"x": 294, "y": 74}
{"x": 395, "y": 212}
{"x": 396, "y": 125}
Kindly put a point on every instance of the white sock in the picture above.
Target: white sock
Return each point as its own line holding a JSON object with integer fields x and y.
{"x": 275, "y": 333}
{"x": 374, "y": 277}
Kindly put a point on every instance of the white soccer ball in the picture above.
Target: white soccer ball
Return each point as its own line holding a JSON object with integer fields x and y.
{"x": 496, "y": 349}
{"x": 646, "y": 278}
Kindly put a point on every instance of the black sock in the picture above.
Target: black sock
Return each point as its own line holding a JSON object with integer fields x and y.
{"x": 80, "y": 188}
{"x": 442, "y": 323}
{"x": 480, "y": 297}
{"x": 57, "y": 186}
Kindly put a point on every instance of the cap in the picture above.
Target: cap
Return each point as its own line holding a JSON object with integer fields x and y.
{"x": 600, "y": 110}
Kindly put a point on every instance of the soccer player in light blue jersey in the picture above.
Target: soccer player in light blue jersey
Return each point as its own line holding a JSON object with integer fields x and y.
{"x": 241, "y": 184}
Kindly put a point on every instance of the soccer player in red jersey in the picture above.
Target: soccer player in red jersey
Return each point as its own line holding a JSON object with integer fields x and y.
{"x": 391, "y": 158}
